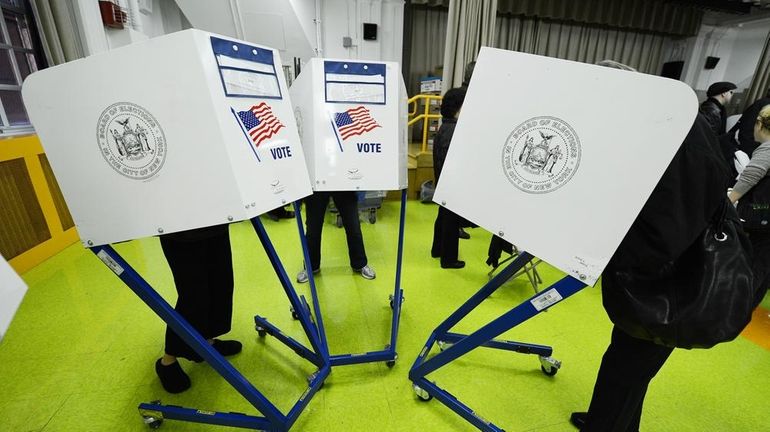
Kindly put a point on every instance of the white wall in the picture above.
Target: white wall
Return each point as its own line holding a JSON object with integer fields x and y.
{"x": 305, "y": 10}
{"x": 342, "y": 18}
{"x": 718, "y": 42}
{"x": 747, "y": 48}
{"x": 285, "y": 25}
{"x": 738, "y": 47}
{"x": 165, "y": 18}
{"x": 267, "y": 22}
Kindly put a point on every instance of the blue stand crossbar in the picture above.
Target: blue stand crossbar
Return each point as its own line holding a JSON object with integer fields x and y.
{"x": 389, "y": 354}
{"x": 454, "y": 345}
{"x": 274, "y": 420}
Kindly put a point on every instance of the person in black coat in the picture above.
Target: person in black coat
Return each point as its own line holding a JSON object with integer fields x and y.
{"x": 746, "y": 140}
{"x": 713, "y": 109}
{"x": 446, "y": 229}
{"x": 679, "y": 209}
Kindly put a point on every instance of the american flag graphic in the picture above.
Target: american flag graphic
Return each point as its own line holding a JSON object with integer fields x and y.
{"x": 260, "y": 122}
{"x": 354, "y": 121}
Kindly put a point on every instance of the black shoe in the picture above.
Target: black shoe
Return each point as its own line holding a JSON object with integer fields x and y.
{"x": 434, "y": 254}
{"x": 172, "y": 377}
{"x": 464, "y": 235}
{"x": 227, "y": 347}
{"x": 287, "y": 214}
{"x": 453, "y": 265}
{"x": 272, "y": 216}
{"x": 192, "y": 356}
{"x": 578, "y": 419}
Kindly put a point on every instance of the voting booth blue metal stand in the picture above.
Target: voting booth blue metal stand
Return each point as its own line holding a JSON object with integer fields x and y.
{"x": 388, "y": 354}
{"x": 273, "y": 419}
{"x": 353, "y": 121}
{"x": 454, "y": 345}
{"x": 312, "y": 322}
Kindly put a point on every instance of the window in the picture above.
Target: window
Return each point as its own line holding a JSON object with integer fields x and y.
{"x": 19, "y": 56}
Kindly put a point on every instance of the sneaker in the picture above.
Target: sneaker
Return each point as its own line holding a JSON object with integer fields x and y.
{"x": 302, "y": 275}
{"x": 172, "y": 377}
{"x": 367, "y": 272}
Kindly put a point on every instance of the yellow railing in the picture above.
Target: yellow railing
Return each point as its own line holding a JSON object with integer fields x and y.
{"x": 425, "y": 116}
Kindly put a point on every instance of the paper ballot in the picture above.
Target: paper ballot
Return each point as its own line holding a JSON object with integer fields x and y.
{"x": 561, "y": 158}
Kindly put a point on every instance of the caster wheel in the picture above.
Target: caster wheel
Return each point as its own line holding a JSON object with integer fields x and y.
{"x": 152, "y": 422}
{"x": 549, "y": 365}
{"x": 339, "y": 221}
{"x": 551, "y": 372}
{"x": 294, "y": 313}
{"x": 372, "y": 217}
{"x": 422, "y": 394}
{"x": 391, "y": 363}
{"x": 261, "y": 331}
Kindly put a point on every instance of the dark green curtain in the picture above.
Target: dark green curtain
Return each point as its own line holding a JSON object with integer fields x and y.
{"x": 658, "y": 16}
{"x": 581, "y": 42}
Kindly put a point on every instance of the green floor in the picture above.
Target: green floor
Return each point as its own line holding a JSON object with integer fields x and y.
{"x": 79, "y": 355}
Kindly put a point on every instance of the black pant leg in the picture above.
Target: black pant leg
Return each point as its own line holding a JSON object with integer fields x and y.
{"x": 188, "y": 263}
{"x": 435, "y": 249}
{"x": 450, "y": 236}
{"x": 760, "y": 243}
{"x": 315, "y": 209}
{"x": 220, "y": 284}
{"x": 628, "y": 366}
{"x": 347, "y": 204}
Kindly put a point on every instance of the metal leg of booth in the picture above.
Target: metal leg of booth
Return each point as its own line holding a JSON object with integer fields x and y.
{"x": 389, "y": 354}
{"x": 530, "y": 270}
{"x": 318, "y": 354}
{"x": 274, "y": 420}
{"x": 454, "y": 345}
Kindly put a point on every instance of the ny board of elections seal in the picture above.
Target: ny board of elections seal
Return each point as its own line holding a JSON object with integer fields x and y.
{"x": 131, "y": 140}
{"x": 541, "y": 155}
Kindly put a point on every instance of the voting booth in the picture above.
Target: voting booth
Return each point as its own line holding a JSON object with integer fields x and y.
{"x": 561, "y": 169}
{"x": 12, "y": 290}
{"x": 179, "y": 132}
{"x": 352, "y": 120}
